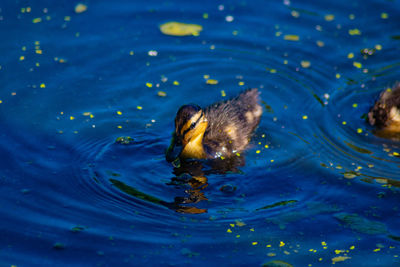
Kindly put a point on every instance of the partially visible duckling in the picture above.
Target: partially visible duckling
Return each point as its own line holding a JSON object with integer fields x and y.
{"x": 220, "y": 130}
{"x": 385, "y": 114}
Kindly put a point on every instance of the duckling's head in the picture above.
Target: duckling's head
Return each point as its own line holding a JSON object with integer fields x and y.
{"x": 190, "y": 125}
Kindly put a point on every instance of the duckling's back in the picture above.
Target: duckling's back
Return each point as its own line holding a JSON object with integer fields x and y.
{"x": 231, "y": 123}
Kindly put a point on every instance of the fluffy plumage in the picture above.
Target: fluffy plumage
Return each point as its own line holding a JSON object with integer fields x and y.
{"x": 385, "y": 114}
{"x": 220, "y": 130}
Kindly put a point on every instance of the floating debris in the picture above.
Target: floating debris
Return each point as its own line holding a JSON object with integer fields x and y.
{"x": 180, "y": 29}
{"x": 351, "y": 174}
{"x": 277, "y": 263}
{"x": 339, "y": 259}
{"x": 291, "y": 37}
{"x": 124, "y": 140}
{"x": 354, "y": 32}
{"x": 305, "y": 63}
{"x": 211, "y": 81}
{"x": 80, "y": 8}
{"x": 368, "y": 51}
{"x": 161, "y": 93}
{"x": 329, "y": 17}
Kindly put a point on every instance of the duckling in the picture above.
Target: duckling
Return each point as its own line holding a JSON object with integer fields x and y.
{"x": 385, "y": 114}
{"x": 220, "y": 130}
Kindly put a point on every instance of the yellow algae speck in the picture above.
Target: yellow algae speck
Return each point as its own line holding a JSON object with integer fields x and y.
{"x": 176, "y": 83}
{"x": 205, "y": 16}
{"x": 271, "y": 254}
{"x": 232, "y": 225}
{"x": 162, "y": 93}
{"x": 384, "y": 15}
{"x": 1, "y": 101}
{"x": 323, "y": 243}
{"x": 359, "y": 130}
{"x": 67, "y": 18}
{"x": 229, "y": 231}
{"x": 396, "y": 154}
{"x": 272, "y": 70}
{"x": 305, "y": 117}
{"x": 139, "y": 107}
{"x": 80, "y": 8}
{"x": 119, "y": 112}
{"x": 291, "y": 37}
{"x": 21, "y": 58}
{"x": 39, "y": 51}
{"x": 295, "y": 14}
{"x": 206, "y": 76}
{"x": 131, "y": 53}
{"x": 339, "y": 258}
{"x": 320, "y": 43}
{"x": 355, "y": 105}
{"x": 344, "y": 122}
{"x": 329, "y": 17}
{"x": 254, "y": 243}
{"x": 37, "y": 20}
{"x": 281, "y": 243}
{"x": 305, "y": 64}
{"x": 149, "y": 85}
{"x": 72, "y": 118}
{"x": 350, "y": 55}
{"x": 354, "y": 32}
{"x": 180, "y": 29}
{"x": 378, "y": 47}
{"x": 352, "y": 16}
{"x": 377, "y": 249}
{"x": 42, "y": 85}
{"x": 240, "y": 223}
{"x": 266, "y": 146}
{"x": 337, "y": 75}
{"x": 357, "y": 65}
{"x": 352, "y": 247}
{"x": 211, "y": 81}
{"x": 119, "y": 127}
{"x": 223, "y": 94}
{"x": 251, "y": 229}
{"x": 241, "y": 83}
{"x": 258, "y": 151}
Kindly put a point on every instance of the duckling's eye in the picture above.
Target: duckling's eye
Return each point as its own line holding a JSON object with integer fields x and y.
{"x": 192, "y": 125}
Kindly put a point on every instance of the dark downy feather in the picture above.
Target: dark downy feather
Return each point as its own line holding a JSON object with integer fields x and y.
{"x": 232, "y": 114}
{"x": 379, "y": 113}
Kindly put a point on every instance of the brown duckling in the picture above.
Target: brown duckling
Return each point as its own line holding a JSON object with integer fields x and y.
{"x": 217, "y": 131}
{"x": 385, "y": 114}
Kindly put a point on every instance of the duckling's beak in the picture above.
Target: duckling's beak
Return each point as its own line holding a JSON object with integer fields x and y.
{"x": 174, "y": 150}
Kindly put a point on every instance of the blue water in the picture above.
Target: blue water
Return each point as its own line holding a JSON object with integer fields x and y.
{"x": 317, "y": 188}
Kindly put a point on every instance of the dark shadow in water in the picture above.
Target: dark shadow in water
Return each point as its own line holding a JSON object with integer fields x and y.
{"x": 191, "y": 177}
{"x": 193, "y": 174}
